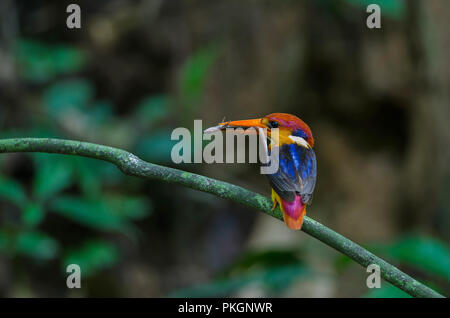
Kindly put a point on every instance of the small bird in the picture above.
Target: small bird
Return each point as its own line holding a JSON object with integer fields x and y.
{"x": 293, "y": 184}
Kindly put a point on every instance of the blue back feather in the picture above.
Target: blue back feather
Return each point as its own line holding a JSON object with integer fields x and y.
{"x": 296, "y": 174}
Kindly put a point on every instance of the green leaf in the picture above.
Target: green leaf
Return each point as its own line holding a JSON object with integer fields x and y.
{"x": 96, "y": 214}
{"x": 88, "y": 175}
{"x": 153, "y": 109}
{"x": 342, "y": 262}
{"x": 40, "y": 62}
{"x": 423, "y": 253}
{"x": 12, "y": 191}
{"x": 156, "y": 147}
{"x": 67, "y": 59}
{"x": 36, "y": 245}
{"x": 101, "y": 111}
{"x": 131, "y": 207}
{"x": 264, "y": 259}
{"x": 92, "y": 257}
{"x": 278, "y": 279}
{"x": 52, "y": 175}
{"x": 387, "y": 291}
{"x": 91, "y": 174}
{"x": 392, "y": 8}
{"x": 194, "y": 73}
{"x": 5, "y": 242}
{"x": 109, "y": 174}
{"x": 63, "y": 95}
{"x": 33, "y": 214}
{"x": 273, "y": 269}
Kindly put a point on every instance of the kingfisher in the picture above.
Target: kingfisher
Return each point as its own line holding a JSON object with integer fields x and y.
{"x": 293, "y": 183}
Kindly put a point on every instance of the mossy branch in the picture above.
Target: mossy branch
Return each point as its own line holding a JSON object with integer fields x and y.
{"x": 131, "y": 165}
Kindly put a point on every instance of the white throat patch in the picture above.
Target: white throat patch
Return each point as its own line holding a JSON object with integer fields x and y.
{"x": 300, "y": 141}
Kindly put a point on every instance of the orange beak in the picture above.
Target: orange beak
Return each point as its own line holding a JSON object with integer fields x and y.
{"x": 244, "y": 123}
{"x": 248, "y": 123}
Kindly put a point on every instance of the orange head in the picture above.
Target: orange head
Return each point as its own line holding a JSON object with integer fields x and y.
{"x": 291, "y": 128}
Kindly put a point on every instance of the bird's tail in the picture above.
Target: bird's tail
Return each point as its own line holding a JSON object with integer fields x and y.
{"x": 293, "y": 212}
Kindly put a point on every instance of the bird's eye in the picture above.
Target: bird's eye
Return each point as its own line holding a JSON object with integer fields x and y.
{"x": 273, "y": 124}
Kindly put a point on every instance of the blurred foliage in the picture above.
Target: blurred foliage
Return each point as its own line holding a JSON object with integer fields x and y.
{"x": 40, "y": 62}
{"x": 390, "y": 8}
{"x": 264, "y": 259}
{"x": 273, "y": 271}
{"x": 152, "y": 109}
{"x": 156, "y": 147}
{"x": 424, "y": 253}
{"x": 64, "y": 95}
{"x": 34, "y": 244}
{"x": 71, "y": 187}
{"x": 93, "y": 256}
{"x": 417, "y": 252}
{"x": 272, "y": 280}
{"x": 74, "y": 188}
{"x": 193, "y": 77}
{"x": 387, "y": 291}
{"x": 97, "y": 214}
{"x": 11, "y": 191}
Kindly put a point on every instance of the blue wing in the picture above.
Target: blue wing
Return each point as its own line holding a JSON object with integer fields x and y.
{"x": 296, "y": 174}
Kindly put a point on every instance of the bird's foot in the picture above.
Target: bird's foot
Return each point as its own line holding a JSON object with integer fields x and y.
{"x": 274, "y": 205}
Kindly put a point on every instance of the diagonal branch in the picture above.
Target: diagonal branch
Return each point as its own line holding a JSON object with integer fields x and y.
{"x": 133, "y": 166}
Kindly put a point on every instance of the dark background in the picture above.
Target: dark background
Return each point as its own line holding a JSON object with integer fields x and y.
{"x": 377, "y": 101}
